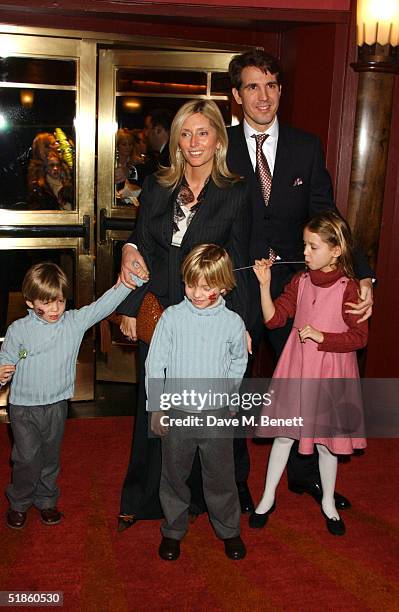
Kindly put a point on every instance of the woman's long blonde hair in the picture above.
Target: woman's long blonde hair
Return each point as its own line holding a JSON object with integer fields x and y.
{"x": 221, "y": 175}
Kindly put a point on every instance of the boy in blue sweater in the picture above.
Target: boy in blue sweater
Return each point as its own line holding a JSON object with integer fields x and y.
{"x": 198, "y": 344}
{"x": 39, "y": 352}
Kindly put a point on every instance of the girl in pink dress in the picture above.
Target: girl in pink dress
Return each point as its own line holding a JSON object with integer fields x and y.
{"x": 320, "y": 355}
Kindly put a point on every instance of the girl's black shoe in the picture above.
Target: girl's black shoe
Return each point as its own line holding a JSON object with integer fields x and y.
{"x": 334, "y": 526}
{"x": 257, "y": 521}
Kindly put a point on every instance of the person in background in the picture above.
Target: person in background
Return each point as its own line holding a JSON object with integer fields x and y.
{"x": 49, "y": 184}
{"x": 156, "y": 132}
{"x": 43, "y": 144}
{"x": 128, "y": 157}
{"x": 125, "y": 156}
{"x": 140, "y": 145}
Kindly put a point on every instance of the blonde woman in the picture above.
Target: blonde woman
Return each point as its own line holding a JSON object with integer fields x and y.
{"x": 49, "y": 184}
{"x": 194, "y": 201}
{"x": 128, "y": 154}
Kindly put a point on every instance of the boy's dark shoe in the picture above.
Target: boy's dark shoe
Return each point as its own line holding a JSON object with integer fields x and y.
{"x": 15, "y": 519}
{"x": 169, "y": 549}
{"x": 50, "y": 516}
{"x": 235, "y": 548}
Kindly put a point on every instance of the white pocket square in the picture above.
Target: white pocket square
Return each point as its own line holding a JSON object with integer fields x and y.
{"x": 297, "y": 182}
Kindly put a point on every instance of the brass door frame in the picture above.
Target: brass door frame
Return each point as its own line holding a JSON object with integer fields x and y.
{"x": 84, "y": 53}
{"x": 135, "y": 41}
{"x": 82, "y": 47}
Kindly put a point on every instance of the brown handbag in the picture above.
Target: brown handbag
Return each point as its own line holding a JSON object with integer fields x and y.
{"x": 147, "y": 317}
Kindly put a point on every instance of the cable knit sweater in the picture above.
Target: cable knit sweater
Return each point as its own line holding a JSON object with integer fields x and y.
{"x": 195, "y": 348}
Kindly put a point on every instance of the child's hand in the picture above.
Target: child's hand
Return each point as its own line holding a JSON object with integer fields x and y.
{"x": 310, "y": 332}
{"x": 6, "y": 373}
{"x": 262, "y": 271}
{"x": 156, "y": 426}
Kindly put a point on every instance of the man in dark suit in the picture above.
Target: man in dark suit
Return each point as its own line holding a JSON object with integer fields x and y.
{"x": 300, "y": 188}
{"x": 156, "y": 132}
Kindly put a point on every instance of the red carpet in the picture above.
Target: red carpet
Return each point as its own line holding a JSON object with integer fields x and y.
{"x": 293, "y": 564}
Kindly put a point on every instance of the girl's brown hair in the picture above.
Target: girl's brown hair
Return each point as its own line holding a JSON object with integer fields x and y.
{"x": 334, "y": 230}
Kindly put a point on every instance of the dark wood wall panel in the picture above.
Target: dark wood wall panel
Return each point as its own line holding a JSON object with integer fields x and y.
{"x": 347, "y": 111}
{"x": 383, "y": 352}
{"x": 307, "y": 54}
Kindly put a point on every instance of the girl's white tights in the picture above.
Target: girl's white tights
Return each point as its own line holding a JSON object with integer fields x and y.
{"x": 278, "y": 460}
{"x": 328, "y": 474}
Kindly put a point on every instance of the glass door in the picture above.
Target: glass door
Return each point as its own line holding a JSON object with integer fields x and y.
{"x": 47, "y": 153}
{"x": 132, "y": 86}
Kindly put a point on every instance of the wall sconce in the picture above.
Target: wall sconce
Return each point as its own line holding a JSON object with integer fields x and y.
{"x": 378, "y": 22}
{"x": 377, "y": 33}
{"x": 26, "y": 97}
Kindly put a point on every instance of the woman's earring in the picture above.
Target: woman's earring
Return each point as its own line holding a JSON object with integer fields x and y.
{"x": 179, "y": 156}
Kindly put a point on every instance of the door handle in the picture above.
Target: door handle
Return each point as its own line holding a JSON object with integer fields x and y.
{"x": 50, "y": 231}
{"x": 114, "y": 223}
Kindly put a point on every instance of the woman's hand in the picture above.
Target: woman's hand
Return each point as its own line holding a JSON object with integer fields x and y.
{"x": 262, "y": 271}
{"x": 132, "y": 263}
{"x": 310, "y": 332}
{"x": 128, "y": 327}
{"x": 156, "y": 426}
